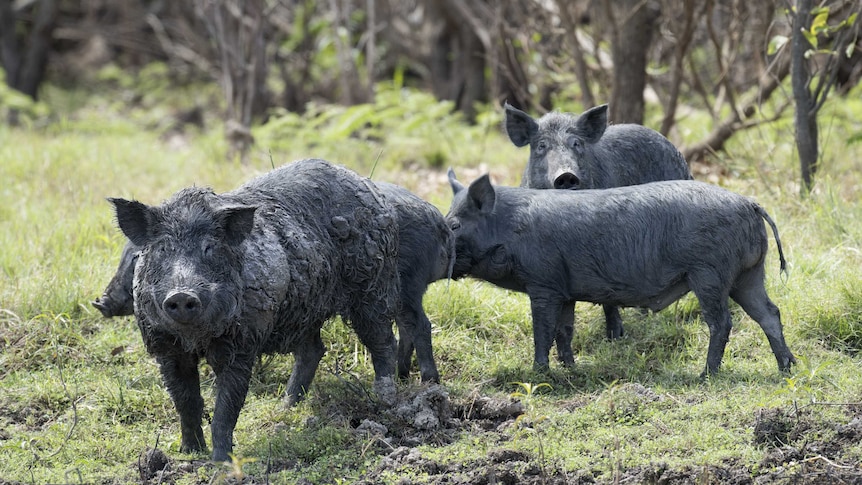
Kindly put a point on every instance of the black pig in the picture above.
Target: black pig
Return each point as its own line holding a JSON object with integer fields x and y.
{"x": 584, "y": 152}
{"x": 640, "y": 246}
{"x": 425, "y": 253}
{"x": 258, "y": 270}
{"x": 116, "y": 300}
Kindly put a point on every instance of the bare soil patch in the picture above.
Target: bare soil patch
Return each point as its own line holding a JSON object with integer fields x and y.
{"x": 428, "y": 415}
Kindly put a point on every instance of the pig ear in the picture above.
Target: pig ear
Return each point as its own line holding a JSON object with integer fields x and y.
{"x": 593, "y": 122}
{"x": 482, "y": 194}
{"x": 520, "y": 126}
{"x": 456, "y": 185}
{"x": 135, "y": 219}
{"x": 237, "y": 222}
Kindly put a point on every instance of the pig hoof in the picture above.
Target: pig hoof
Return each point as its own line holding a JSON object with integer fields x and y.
{"x": 784, "y": 367}
{"x": 386, "y": 390}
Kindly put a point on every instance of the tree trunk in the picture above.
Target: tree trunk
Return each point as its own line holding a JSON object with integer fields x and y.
{"x": 677, "y": 66}
{"x": 633, "y": 26}
{"x": 806, "y": 114}
{"x": 581, "y": 72}
{"x": 25, "y": 64}
{"x": 458, "y": 55}
{"x": 9, "y": 50}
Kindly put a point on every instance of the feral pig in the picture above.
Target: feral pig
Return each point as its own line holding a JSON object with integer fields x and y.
{"x": 116, "y": 300}
{"x": 228, "y": 277}
{"x": 425, "y": 253}
{"x": 584, "y": 152}
{"x": 640, "y": 246}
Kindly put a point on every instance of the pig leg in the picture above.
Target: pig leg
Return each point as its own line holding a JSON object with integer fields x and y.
{"x": 381, "y": 345}
{"x": 375, "y": 332}
{"x": 565, "y": 332}
{"x": 306, "y": 359}
{"x": 714, "y": 306}
{"x": 546, "y": 314}
{"x": 232, "y": 377}
{"x": 180, "y": 374}
{"x": 405, "y": 349}
{"x": 414, "y": 328}
{"x": 749, "y": 292}
{"x": 613, "y": 322}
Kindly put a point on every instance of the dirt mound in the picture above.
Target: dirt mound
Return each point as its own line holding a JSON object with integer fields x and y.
{"x": 428, "y": 415}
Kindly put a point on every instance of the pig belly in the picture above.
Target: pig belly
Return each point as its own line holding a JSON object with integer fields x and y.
{"x": 644, "y": 297}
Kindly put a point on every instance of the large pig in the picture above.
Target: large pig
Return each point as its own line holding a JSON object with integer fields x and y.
{"x": 258, "y": 270}
{"x": 639, "y": 246}
{"x": 584, "y": 152}
{"x": 425, "y": 254}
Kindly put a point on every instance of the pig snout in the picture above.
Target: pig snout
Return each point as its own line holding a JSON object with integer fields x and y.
{"x": 183, "y": 306}
{"x": 105, "y": 305}
{"x": 567, "y": 180}
{"x": 114, "y": 304}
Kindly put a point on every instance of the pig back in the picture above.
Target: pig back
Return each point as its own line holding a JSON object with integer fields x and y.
{"x": 324, "y": 239}
{"x": 425, "y": 242}
{"x": 635, "y": 240}
{"x": 630, "y": 154}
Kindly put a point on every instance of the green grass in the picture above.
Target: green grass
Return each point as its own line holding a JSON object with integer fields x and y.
{"x": 80, "y": 399}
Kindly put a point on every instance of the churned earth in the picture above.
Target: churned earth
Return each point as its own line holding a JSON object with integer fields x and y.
{"x": 430, "y": 415}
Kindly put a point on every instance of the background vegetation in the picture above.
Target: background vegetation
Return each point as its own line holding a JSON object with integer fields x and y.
{"x": 82, "y": 402}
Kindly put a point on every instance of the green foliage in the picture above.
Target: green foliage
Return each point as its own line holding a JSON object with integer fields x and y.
{"x": 820, "y": 26}
{"x": 396, "y": 127}
{"x": 28, "y": 111}
{"x": 80, "y": 399}
{"x": 808, "y": 383}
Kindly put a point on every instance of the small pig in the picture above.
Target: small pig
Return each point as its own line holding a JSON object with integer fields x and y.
{"x": 425, "y": 254}
{"x": 228, "y": 277}
{"x": 639, "y": 246}
{"x": 583, "y": 152}
{"x": 117, "y": 301}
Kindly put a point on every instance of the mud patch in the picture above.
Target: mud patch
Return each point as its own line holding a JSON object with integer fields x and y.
{"x": 428, "y": 415}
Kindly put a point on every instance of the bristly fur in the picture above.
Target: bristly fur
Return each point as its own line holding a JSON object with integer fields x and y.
{"x": 322, "y": 242}
{"x": 638, "y": 246}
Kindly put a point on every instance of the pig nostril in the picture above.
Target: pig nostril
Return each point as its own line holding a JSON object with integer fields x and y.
{"x": 182, "y": 307}
{"x": 567, "y": 180}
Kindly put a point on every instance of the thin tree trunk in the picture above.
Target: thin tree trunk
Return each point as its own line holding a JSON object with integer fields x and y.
{"x": 677, "y": 67}
{"x": 806, "y": 114}
{"x": 581, "y": 71}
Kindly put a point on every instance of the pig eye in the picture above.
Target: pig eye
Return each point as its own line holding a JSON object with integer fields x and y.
{"x": 573, "y": 142}
{"x": 454, "y": 224}
{"x": 541, "y": 146}
{"x": 208, "y": 249}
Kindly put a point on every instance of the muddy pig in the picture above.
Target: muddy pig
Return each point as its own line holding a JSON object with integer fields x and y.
{"x": 425, "y": 254}
{"x": 639, "y": 246}
{"x": 228, "y": 277}
{"x": 584, "y": 152}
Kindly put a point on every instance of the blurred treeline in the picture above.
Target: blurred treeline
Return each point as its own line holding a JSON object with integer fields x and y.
{"x": 727, "y": 58}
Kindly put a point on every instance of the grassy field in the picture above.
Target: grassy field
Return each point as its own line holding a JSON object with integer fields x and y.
{"x": 80, "y": 400}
